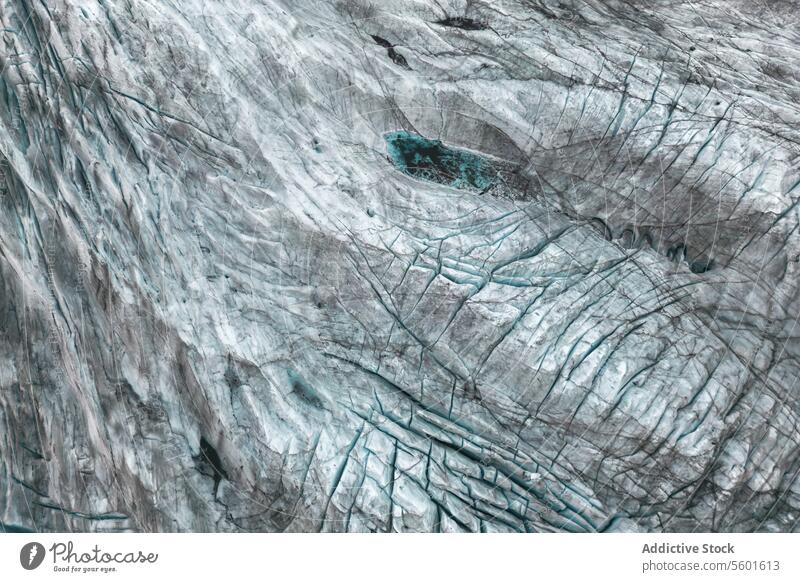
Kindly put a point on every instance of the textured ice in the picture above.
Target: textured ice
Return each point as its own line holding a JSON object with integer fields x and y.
{"x": 228, "y": 303}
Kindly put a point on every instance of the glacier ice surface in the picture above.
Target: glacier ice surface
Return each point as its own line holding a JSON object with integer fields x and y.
{"x": 563, "y": 295}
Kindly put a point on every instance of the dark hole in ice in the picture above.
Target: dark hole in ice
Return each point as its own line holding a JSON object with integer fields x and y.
{"x": 433, "y": 161}
{"x": 381, "y": 41}
{"x": 701, "y": 266}
{"x": 462, "y": 22}
{"x": 637, "y": 238}
{"x": 304, "y": 391}
{"x": 396, "y": 57}
{"x": 209, "y": 463}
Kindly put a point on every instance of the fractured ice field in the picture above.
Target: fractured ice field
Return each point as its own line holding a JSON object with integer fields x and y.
{"x": 408, "y": 265}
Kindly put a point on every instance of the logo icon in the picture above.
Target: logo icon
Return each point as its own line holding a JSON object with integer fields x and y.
{"x": 31, "y": 555}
